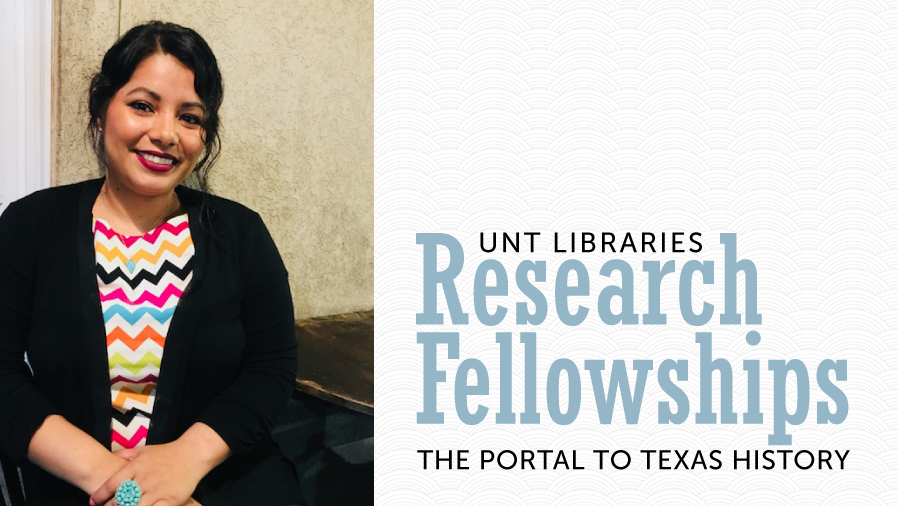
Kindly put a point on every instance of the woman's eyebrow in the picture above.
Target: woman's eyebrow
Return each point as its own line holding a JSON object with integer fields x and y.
{"x": 193, "y": 104}
{"x": 155, "y": 96}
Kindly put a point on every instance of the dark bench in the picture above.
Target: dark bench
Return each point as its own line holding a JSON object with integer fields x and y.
{"x": 335, "y": 359}
{"x": 327, "y": 429}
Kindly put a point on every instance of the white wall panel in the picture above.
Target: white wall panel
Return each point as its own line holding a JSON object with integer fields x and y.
{"x": 25, "y": 48}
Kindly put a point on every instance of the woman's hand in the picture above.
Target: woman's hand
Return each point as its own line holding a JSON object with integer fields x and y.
{"x": 167, "y": 474}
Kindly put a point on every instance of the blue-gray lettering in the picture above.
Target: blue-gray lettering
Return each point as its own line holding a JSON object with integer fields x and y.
{"x": 653, "y": 315}
{"x": 530, "y": 416}
{"x": 618, "y": 380}
{"x": 482, "y": 291}
{"x": 462, "y": 390}
{"x": 431, "y": 277}
{"x": 625, "y": 292}
{"x": 831, "y": 390}
{"x": 504, "y": 339}
{"x": 665, "y": 414}
{"x": 707, "y": 366}
{"x": 753, "y": 414}
{"x": 684, "y": 292}
{"x": 432, "y": 376}
{"x": 523, "y": 317}
{"x": 781, "y": 416}
{"x": 559, "y": 365}
{"x": 563, "y": 291}
{"x": 732, "y": 266}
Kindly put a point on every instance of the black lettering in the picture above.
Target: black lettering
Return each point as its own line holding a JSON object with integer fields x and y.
{"x": 483, "y": 454}
{"x": 500, "y": 459}
{"x": 628, "y": 243}
{"x": 784, "y": 457}
{"x": 424, "y": 457}
{"x": 645, "y": 242}
{"x": 613, "y": 459}
{"x": 560, "y": 456}
{"x": 699, "y": 246}
{"x": 698, "y": 456}
{"x": 585, "y": 241}
{"x": 681, "y": 457}
{"x": 607, "y": 239}
{"x": 493, "y": 242}
{"x": 508, "y": 240}
{"x": 812, "y": 460}
{"x": 448, "y": 459}
{"x": 531, "y": 237}
{"x": 601, "y": 453}
{"x": 746, "y": 459}
{"x": 712, "y": 455}
{"x": 527, "y": 459}
{"x": 544, "y": 453}
{"x": 663, "y": 459}
{"x": 841, "y": 458}
{"x": 771, "y": 462}
{"x": 556, "y": 243}
{"x": 648, "y": 453}
{"x": 676, "y": 242}
{"x": 824, "y": 456}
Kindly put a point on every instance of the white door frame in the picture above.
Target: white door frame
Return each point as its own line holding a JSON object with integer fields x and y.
{"x": 25, "y": 57}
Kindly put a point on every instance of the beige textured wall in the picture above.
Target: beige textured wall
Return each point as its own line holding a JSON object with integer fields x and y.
{"x": 297, "y": 124}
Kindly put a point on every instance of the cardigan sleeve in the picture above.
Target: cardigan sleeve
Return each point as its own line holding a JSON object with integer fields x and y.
{"x": 22, "y": 408}
{"x": 245, "y": 410}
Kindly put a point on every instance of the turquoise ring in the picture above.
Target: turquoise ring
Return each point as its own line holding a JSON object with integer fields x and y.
{"x": 128, "y": 493}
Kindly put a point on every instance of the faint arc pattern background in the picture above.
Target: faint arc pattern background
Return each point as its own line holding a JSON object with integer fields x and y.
{"x": 773, "y": 120}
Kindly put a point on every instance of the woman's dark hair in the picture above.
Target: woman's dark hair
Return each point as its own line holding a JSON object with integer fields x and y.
{"x": 188, "y": 47}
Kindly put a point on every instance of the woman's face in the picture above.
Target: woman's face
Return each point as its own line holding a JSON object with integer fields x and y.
{"x": 151, "y": 134}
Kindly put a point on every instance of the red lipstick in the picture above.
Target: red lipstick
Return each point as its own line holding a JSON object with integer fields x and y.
{"x": 156, "y": 167}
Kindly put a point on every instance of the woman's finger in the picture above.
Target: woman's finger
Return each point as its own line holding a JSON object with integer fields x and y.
{"x": 107, "y": 492}
{"x": 127, "y": 454}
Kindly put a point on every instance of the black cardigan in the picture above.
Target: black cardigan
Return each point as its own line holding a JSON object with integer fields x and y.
{"x": 229, "y": 359}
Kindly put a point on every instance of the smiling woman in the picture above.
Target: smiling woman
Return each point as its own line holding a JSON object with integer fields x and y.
{"x": 158, "y": 122}
{"x": 151, "y": 142}
{"x": 171, "y": 350}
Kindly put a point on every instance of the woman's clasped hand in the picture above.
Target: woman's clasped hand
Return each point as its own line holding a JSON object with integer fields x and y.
{"x": 167, "y": 474}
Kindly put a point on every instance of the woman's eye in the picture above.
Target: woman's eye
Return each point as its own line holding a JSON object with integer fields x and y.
{"x": 190, "y": 118}
{"x": 141, "y": 106}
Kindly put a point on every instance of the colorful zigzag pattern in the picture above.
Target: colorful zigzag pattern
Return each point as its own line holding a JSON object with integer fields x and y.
{"x": 138, "y": 304}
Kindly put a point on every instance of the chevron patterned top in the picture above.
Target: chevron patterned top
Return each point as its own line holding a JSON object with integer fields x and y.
{"x": 141, "y": 279}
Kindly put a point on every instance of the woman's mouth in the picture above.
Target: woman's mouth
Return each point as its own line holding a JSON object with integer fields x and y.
{"x": 155, "y": 162}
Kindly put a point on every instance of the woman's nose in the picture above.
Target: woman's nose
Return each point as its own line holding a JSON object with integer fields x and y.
{"x": 163, "y": 131}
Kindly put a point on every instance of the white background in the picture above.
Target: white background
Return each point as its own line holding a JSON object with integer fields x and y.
{"x": 25, "y": 44}
{"x": 773, "y": 120}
